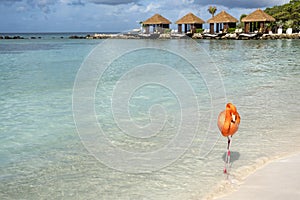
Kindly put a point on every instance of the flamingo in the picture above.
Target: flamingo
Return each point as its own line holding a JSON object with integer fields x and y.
{"x": 228, "y": 123}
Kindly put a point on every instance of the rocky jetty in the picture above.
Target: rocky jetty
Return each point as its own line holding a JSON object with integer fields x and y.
{"x": 113, "y": 36}
{"x": 77, "y": 37}
{"x": 280, "y": 36}
{"x": 165, "y": 36}
{"x": 197, "y": 36}
{"x": 220, "y": 36}
{"x": 246, "y": 36}
{"x": 7, "y": 37}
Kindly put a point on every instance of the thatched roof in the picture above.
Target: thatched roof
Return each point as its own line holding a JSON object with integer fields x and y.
{"x": 190, "y": 18}
{"x": 258, "y": 16}
{"x": 222, "y": 17}
{"x": 157, "y": 19}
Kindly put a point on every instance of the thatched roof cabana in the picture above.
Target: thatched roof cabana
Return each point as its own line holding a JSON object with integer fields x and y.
{"x": 257, "y": 16}
{"x": 158, "y": 22}
{"x": 189, "y": 19}
{"x": 157, "y": 19}
{"x": 222, "y": 18}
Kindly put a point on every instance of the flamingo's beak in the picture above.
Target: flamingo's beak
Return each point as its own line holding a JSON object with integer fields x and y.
{"x": 233, "y": 118}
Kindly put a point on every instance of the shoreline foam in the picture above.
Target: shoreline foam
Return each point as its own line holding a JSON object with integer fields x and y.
{"x": 238, "y": 180}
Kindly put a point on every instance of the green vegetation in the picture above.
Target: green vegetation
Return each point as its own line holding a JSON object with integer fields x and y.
{"x": 231, "y": 30}
{"x": 199, "y": 30}
{"x": 167, "y": 31}
{"x": 287, "y": 15}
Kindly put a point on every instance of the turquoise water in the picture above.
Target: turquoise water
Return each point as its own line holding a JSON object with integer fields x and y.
{"x": 42, "y": 155}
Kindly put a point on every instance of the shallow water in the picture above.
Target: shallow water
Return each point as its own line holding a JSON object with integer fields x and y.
{"x": 41, "y": 153}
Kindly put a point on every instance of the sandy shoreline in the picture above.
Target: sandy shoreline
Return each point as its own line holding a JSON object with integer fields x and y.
{"x": 273, "y": 179}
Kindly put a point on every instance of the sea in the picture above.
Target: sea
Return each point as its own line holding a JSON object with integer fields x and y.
{"x": 137, "y": 118}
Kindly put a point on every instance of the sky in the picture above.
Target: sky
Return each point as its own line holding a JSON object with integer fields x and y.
{"x": 110, "y": 15}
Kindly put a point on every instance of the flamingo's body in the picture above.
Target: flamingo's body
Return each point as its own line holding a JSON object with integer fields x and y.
{"x": 229, "y": 120}
{"x": 228, "y": 123}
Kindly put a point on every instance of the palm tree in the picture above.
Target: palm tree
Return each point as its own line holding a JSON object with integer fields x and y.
{"x": 241, "y": 24}
{"x": 242, "y": 16}
{"x": 212, "y": 10}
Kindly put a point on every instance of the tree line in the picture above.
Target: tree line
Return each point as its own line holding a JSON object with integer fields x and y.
{"x": 287, "y": 15}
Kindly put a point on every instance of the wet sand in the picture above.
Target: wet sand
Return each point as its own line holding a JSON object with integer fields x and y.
{"x": 279, "y": 179}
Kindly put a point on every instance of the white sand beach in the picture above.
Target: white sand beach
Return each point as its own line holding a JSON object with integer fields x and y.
{"x": 279, "y": 179}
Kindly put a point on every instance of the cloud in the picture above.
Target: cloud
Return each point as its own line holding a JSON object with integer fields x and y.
{"x": 22, "y": 5}
{"x": 152, "y": 7}
{"x": 10, "y": 1}
{"x": 142, "y": 9}
{"x": 113, "y": 2}
{"x": 21, "y": 9}
{"x": 134, "y": 8}
{"x": 242, "y": 3}
{"x": 74, "y": 2}
{"x": 188, "y": 1}
{"x": 44, "y": 5}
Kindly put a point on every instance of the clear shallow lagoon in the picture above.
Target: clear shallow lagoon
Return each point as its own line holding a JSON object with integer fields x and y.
{"x": 42, "y": 157}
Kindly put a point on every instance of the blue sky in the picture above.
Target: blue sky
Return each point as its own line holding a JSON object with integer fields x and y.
{"x": 109, "y": 15}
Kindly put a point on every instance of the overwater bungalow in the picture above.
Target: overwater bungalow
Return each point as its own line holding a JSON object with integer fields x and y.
{"x": 158, "y": 22}
{"x": 257, "y": 21}
{"x": 223, "y": 21}
{"x": 191, "y": 22}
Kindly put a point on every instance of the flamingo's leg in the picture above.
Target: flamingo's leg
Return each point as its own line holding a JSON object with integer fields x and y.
{"x": 228, "y": 145}
{"x": 227, "y": 161}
